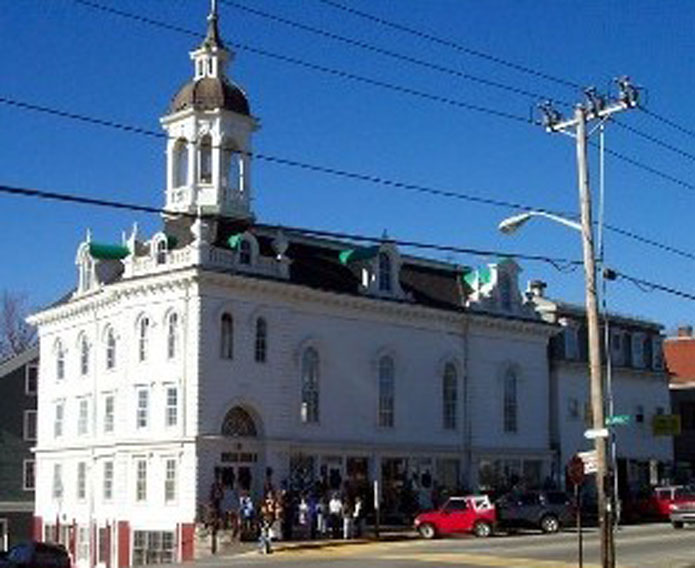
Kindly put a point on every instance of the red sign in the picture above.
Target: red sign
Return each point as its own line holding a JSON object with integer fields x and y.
{"x": 575, "y": 470}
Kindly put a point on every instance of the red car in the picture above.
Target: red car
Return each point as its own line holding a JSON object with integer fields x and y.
{"x": 469, "y": 514}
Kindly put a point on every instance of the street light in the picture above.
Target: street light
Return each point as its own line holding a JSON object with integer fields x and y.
{"x": 510, "y": 225}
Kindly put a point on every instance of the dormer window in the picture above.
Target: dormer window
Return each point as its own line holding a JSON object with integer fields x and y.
{"x": 245, "y": 252}
{"x": 385, "y": 272}
{"x": 206, "y": 159}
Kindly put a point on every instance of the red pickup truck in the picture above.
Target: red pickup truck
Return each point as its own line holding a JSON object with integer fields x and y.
{"x": 468, "y": 514}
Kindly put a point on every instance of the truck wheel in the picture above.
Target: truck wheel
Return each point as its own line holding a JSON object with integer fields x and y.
{"x": 677, "y": 524}
{"x": 482, "y": 529}
{"x": 550, "y": 524}
{"x": 427, "y": 531}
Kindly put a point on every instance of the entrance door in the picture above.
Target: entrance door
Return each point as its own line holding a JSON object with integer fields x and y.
{"x": 236, "y": 476}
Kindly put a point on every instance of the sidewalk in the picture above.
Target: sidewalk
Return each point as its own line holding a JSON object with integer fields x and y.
{"x": 386, "y": 534}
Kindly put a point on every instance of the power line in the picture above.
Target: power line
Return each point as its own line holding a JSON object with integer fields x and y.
{"x": 320, "y": 68}
{"x": 345, "y": 173}
{"x": 654, "y": 139}
{"x": 669, "y": 122}
{"x": 647, "y": 286}
{"x": 557, "y": 262}
{"x": 449, "y": 43}
{"x": 388, "y": 53}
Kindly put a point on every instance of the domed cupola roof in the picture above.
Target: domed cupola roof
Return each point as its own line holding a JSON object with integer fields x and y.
{"x": 210, "y": 93}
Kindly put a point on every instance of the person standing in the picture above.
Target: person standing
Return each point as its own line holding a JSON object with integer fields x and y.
{"x": 358, "y": 517}
{"x": 347, "y": 518}
{"x": 335, "y": 511}
{"x": 267, "y": 519}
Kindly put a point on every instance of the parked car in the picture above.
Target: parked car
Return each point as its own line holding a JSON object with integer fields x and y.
{"x": 468, "y": 514}
{"x": 682, "y": 510}
{"x": 548, "y": 511}
{"x": 35, "y": 555}
{"x": 655, "y": 505}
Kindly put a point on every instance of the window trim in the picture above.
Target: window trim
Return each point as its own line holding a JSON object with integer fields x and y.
{"x": 226, "y": 336}
{"x": 27, "y": 372}
{"x": 171, "y": 484}
{"x": 386, "y": 392}
{"x": 25, "y": 464}
{"x": 310, "y": 386}
{"x": 59, "y": 422}
{"x": 510, "y": 401}
{"x": 81, "y": 482}
{"x": 107, "y": 480}
{"x": 168, "y": 408}
{"x": 261, "y": 342}
{"x": 450, "y": 405}
{"x": 141, "y": 483}
{"x": 141, "y": 411}
{"x": 109, "y": 417}
{"x": 83, "y": 420}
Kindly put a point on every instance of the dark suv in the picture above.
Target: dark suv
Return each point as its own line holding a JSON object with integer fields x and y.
{"x": 35, "y": 555}
{"x": 548, "y": 511}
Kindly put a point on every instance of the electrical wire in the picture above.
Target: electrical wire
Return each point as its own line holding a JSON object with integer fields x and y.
{"x": 321, "y": 68}
{"x": 108, "y": 203}
{"x": 348, "y": 174}
{"x": 392, "y": 54}
{"x": 647, "y": 286}
{"x": 668, "y": 122}
{"x": 449, "y": 43}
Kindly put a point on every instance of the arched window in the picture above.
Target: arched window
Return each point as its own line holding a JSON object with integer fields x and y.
{"x": 505, "y": 284}
{"x": 232, "y": 169}
{"x": 245, "y": 252}
{"x": 180, "y": 163}
{"x": 161, "y": 251}
{"x": 60, "y": 361}
{"x": 310, "y": 386}
{"x": 450, "y": 397}
{"x": 143, "y": 338}
{"x": 238, "y": 424}
{"x": 384, "y": 272}
{"x": 84, "y": 356}
{"x": 206, "y": 159}
{"x": 226, "y": 336}
{"x": 386, "y": 392}
{"x": 261, "y": 340}
{"x": 110, "y": 349}
{"x": 172, "y": 335}
{"x": 510, "y": 401}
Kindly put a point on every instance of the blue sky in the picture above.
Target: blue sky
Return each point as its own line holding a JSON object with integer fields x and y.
{"x": 62, "y": 54}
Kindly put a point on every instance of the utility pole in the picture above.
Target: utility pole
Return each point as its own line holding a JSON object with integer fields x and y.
{"x": 595, "y": 108}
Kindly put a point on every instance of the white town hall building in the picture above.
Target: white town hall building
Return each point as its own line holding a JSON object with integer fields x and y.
{"x": 220, "y": 344}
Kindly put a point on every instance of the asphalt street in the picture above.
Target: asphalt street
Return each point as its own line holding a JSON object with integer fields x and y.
{"x": 646, "y": 546}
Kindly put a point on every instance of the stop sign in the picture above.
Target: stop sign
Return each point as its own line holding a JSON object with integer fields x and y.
{"x": 575, "y": 470}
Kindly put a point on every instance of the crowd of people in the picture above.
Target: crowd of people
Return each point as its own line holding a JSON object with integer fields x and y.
{"x": 284, "y": 514}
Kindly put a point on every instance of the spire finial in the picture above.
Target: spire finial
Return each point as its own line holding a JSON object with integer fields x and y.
{"x": 212, "y": 38}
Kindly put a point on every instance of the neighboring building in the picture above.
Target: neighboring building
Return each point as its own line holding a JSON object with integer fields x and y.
{"x": 639, "y": 385}
{"x": 679, "y": 352}
{"x": 220, "y": 346}
{"x": 18, "y": 389}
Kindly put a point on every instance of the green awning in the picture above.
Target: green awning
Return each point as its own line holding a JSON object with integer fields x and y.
{"x": 361, "y": 253}
{"x": 234, "y": 240}
{"x": 104, "y": 251}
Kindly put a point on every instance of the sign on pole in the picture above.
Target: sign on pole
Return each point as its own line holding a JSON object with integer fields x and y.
{"x": 666, "y": 424}
{"x": 575, "y": 470}
{"x": 596, "y": 433}
{"x": 590, "y": 461}
{"x": 618, "y": 420}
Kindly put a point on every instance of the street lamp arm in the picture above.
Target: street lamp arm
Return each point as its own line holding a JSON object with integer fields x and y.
{"x": 511, "y": 224}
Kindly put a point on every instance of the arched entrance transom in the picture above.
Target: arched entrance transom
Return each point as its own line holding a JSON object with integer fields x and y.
{"x": 238, "y": 423}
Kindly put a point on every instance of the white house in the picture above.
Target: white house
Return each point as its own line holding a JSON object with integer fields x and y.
{"x": 224, "y": 346}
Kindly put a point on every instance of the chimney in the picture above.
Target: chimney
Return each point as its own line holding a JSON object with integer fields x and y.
{"x": 685, "y": 331}
{"x": 537, "y": 288}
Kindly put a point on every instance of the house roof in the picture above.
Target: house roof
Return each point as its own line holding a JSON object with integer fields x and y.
{"x": 679, "y": 353}
{"x": 14, "y": 362}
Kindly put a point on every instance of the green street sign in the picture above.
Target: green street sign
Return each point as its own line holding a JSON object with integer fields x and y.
{"x": 618, "y": 420}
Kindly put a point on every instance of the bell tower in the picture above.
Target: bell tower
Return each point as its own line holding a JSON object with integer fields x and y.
{"x": 209, "y": 128}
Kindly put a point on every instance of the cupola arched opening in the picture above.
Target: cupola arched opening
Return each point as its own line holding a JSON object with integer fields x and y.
{"x": 180, "y": 163}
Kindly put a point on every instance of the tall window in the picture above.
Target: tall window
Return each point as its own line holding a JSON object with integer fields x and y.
{"x": 57, "y": 490}
{"x": 31, "y": 379}
{"x": 261, "y": 340}
{"x": 108, "y": 480}
{"x": 206, "y": 159}
{"x": 510, "y": 401}
{"x": 161, "y": 255}
{"x": 227, "y": 336}
{"x": 110, "y": 349}
{"x": 30, "y": 425}
{"x": 29, "y": 475}
{"x": 109, "y": 410}
{"x": 141, "y": 480}
{"x": 60, "y": 361}
{"x": 83, "y": 417}
{"x": 180, "y": 163}
{"x": 450, "y": 397}
{"x": 143, "y": 338}
{"x": 84, "y": 356}
{"x": 384, "y": 272}
{"x": 170, "y": 481}
{"x": 310, "y": 386}
{"x": 172, "y": 335}
{"x": 172, "y": 407}
{"x": 143, "y": 408}
{"x": 386, "y": 392}
{"x": 81, "y": 481}
{"x": 58, "y": 419}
